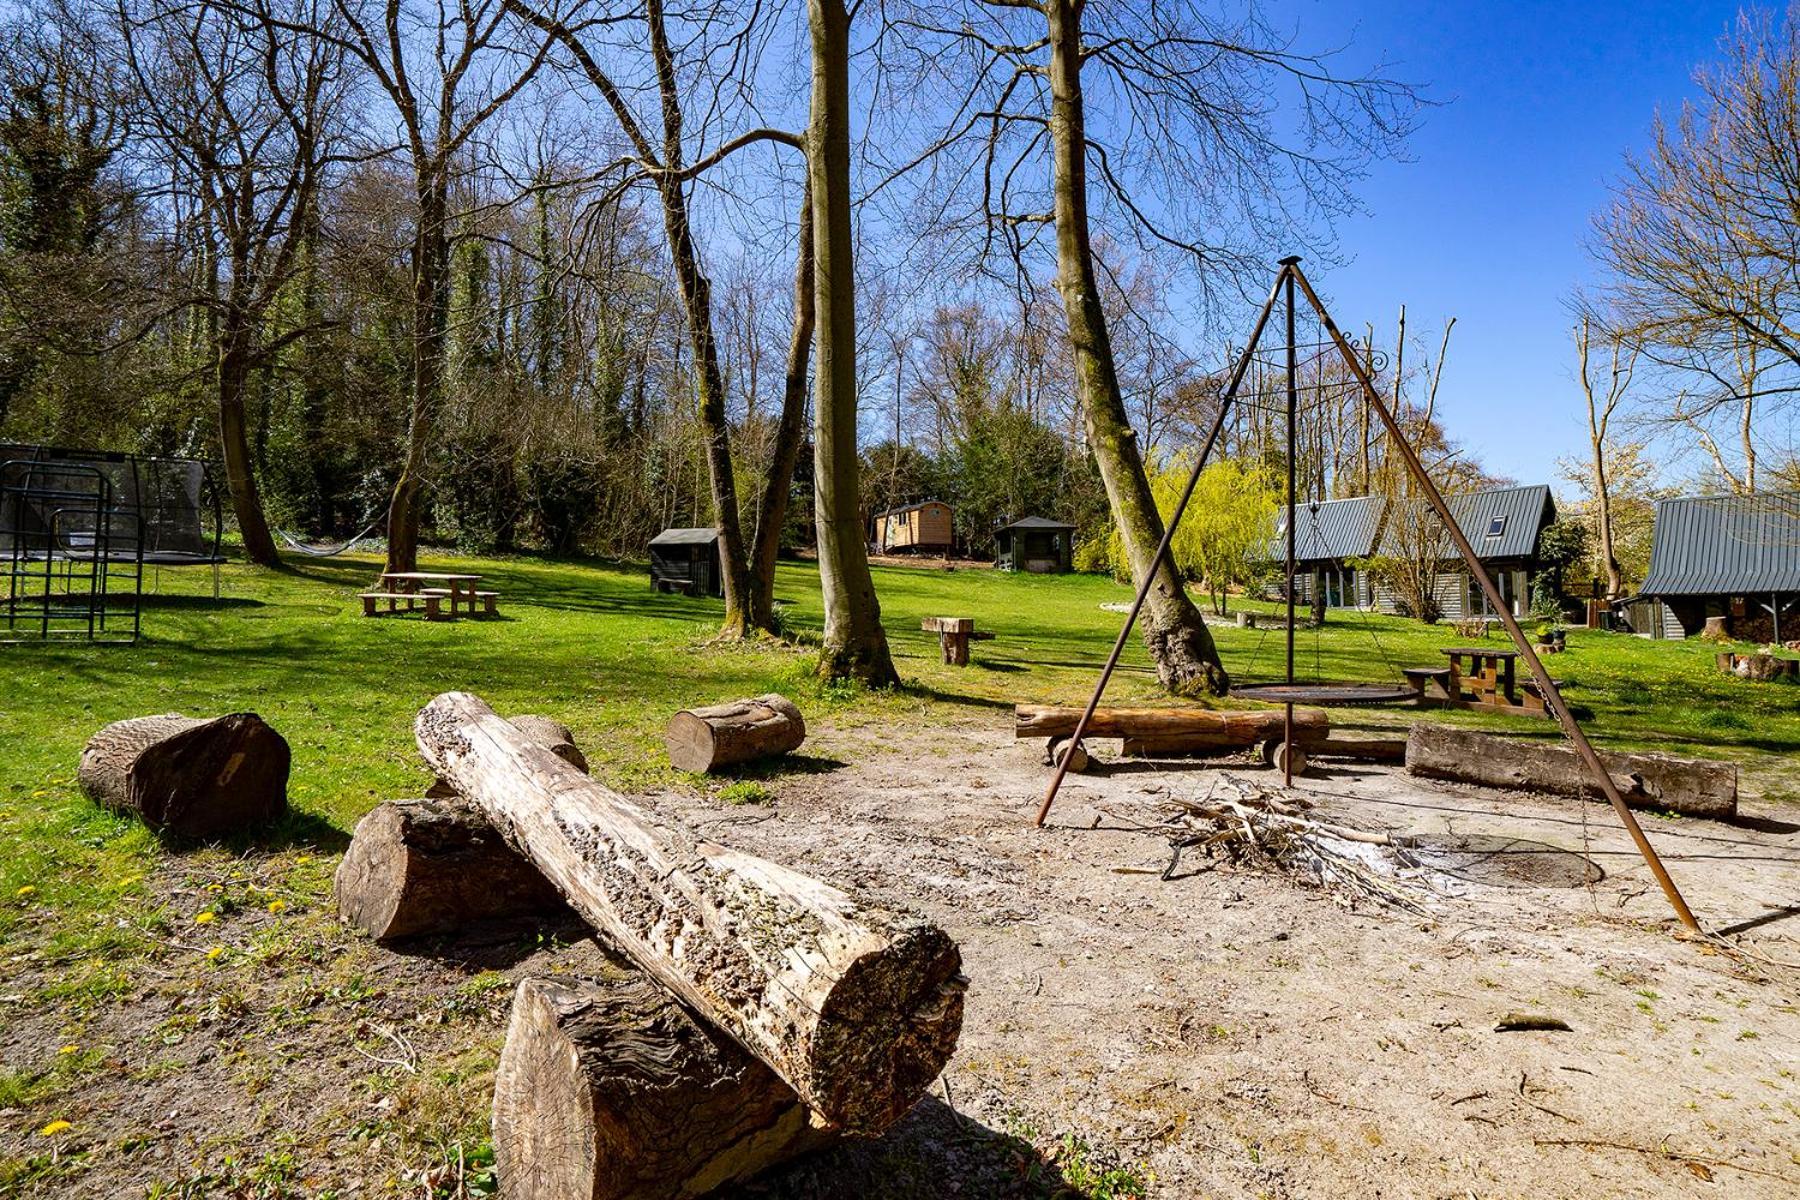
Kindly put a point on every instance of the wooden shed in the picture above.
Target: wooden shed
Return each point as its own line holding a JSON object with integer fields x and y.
{"x": 687, "y": 560}
{"x": 923, "y": 527}
{"x": 1035, "y": 544}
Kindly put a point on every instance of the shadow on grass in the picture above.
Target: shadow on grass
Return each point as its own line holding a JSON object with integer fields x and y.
{"x": 933, "y": 1152}
{"x": 176, "y": 601}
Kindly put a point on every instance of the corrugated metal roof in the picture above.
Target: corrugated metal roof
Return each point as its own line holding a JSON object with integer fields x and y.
{"x": 1712, "y": 545}
{"x": 1499, "y": 523}
{"x": 1036, "y": 523}
{"x": 1330, "y": 530}
{"x": 686, "y": 537}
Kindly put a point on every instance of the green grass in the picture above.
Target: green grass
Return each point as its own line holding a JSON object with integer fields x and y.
{"x": 103, "y": 914}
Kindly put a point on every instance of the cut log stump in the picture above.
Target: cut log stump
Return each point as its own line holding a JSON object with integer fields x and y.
{"x": 702, "y": 739}
{"x": 189, "y": 777}
{"x": 1693, "y": 787}
{"x": 422, "y": 867}
{"x": 856, "y": 1008}
{"x": 608, "y": 1090}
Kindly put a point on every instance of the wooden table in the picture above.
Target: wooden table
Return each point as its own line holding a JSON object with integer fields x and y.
{"x": 1491, "y": 675}
{"x": 456, "y": 588}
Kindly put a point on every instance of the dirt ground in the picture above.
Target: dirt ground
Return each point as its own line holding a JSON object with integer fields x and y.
{"x": 1224, "y": 1032}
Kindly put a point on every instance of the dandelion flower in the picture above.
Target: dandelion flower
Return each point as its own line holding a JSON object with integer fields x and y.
{"x": 69, "y": 1049}
{"x": 277, "y": 906}
{"x": 54, "y": 1128}
{"x": 303, "y": 860}
{"x": 25, "y": 891}
{"x": 204, "y": 918}
{"x": 215, "y": 954}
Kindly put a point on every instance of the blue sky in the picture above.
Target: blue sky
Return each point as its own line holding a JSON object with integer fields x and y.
{"x": 1489, "y": 218}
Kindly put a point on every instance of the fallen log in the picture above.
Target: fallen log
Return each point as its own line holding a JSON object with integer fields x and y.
{"x": 857, "y": 1009}
{"x": 1191, "y": 728}
{"x": 551, "y": 734}
{"x": 190, "y": 777}
{"x": 421, "y": 867}
{"x": 1693, "y": 787}
{"x": 699, "y": 739}
{"x": 608, "y": 1089}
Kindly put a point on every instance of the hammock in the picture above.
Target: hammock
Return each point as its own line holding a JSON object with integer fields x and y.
{"x": 327, "y": 551}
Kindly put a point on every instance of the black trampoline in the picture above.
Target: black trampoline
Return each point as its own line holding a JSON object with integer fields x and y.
{"x": 78, "y": 527}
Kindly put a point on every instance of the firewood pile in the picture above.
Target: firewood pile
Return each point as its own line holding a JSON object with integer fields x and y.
{"x": 749, "y": 1013}
{"x": 1248, "y": 824}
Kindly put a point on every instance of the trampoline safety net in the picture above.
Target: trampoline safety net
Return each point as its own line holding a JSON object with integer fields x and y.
{"x": 77, "y": 527}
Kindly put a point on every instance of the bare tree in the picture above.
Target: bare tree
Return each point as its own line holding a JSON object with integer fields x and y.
{"x": 1602, "y": 402}
{"x": 446, "y": 68}
{"x": 855, "y": 643}
{"x": 249, "y": 122}
{"x": 1183, "y": 159}
{"x": 663, "y": 162}
{"x": 1699, "y": 247}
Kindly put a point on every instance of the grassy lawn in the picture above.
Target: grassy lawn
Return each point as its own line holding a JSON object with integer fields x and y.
{"x": 93, "y": 916}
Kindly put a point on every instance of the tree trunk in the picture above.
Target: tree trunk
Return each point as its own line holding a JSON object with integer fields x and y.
{"x": 1688, "y": 786}
{"x": 696, "y": 298}
{"x": 1180, "y": 644}
{"x": 234, "y": 444}
{"x": 609, "y": 1090}
{"x": 425, "y": 867}
{"x": 1201, "y": 726}
{"x": 699, "y": 739}
{"x": 430, "y": 271}
{"x": 190, "y": 777}
{"x": 778, "y": 485}
{"x": 855, "y": 644}
{"x": 856, "y": 1008}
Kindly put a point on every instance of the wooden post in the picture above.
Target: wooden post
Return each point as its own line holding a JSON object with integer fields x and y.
{"x": 856, "y": 1008}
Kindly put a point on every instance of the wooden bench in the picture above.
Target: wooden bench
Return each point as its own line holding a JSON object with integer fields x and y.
{"x": 432, "y": 603}
{"x": 1418, "y": 677}
{"x": 954, "y": 636}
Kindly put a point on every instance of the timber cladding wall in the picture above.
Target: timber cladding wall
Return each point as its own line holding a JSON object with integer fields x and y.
{"x": 918, "y": 526}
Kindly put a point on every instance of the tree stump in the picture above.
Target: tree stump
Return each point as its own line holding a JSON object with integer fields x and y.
{"x": 189, "y": 777}
{"x": 856, "y": 1008}
{"x": 608, "y": 1090}
{"x": 699, "y": 739}
{"x": 419, "y": 867}
{"x": 1289, "y": 758}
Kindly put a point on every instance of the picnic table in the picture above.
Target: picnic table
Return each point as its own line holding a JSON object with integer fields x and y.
{"x": 430, "y": 590}
{"x": 1491, "y": 675}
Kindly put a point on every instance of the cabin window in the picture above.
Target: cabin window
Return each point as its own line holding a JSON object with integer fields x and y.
{"x": 1496, "y": 527}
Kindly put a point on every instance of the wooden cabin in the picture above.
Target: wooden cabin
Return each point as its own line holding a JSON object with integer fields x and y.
{"x": 1734, "y": 559}
{"x": 687, "y": 560}
{"x": 1035, "y": 544}
{"x": 923, "y": 528}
